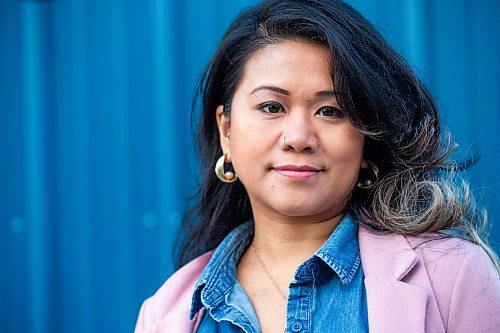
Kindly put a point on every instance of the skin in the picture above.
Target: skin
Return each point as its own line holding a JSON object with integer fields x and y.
{"x": 284, "y": 116}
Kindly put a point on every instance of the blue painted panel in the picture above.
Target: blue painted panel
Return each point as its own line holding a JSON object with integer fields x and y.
{"x": 96, "y": 157}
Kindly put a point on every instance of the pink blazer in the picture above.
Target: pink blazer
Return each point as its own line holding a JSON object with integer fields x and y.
{"x": 446, "y": 285}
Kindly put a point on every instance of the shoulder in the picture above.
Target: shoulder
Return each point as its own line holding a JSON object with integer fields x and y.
{"x": 464, "y": 280}
{"x": 458, "y": 275}
{"x": 168, "y": 309}
{"x": 453, "y": 258}
{"x": 440, "y": 257}
{"x": 429, "y": 249}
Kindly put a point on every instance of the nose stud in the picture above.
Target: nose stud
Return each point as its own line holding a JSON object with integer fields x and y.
{"x": 284, "y": 141}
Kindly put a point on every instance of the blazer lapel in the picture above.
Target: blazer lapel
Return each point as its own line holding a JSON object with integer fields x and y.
{"x": 393, "y": 305}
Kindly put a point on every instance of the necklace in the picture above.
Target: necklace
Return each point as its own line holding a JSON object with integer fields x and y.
{"x": 274, "y": 282}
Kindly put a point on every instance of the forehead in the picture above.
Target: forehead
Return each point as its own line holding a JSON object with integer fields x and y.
{"x": 289, "y": 63}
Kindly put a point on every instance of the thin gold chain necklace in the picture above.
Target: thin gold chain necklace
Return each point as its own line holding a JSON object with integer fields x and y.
{"x": 274, "y": 282}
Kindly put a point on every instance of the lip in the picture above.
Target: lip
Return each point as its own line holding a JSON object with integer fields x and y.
{"x": 297, "y": 172}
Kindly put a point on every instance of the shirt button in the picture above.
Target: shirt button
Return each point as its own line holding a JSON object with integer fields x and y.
{"x": 297, "y": 327}
{"x": 313, "y": 267}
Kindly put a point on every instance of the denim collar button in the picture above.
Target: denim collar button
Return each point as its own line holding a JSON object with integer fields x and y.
{"x": 297, "y": 327}
{"x": 308, "y": 270}
{"x": 312, "y": 268}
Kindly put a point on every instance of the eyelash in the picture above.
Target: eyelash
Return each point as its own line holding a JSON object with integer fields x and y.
{"x": 337, "y": 113}
{"x": 263, "y": 107}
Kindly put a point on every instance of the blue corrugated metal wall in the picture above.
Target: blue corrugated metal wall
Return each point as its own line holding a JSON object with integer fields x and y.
{"x": 96, "y": 156}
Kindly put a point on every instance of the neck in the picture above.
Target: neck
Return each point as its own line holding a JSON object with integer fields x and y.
{"x": 290, "y": 242}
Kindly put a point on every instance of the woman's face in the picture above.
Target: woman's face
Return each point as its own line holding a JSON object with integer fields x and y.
{"x": 291, "y": 146}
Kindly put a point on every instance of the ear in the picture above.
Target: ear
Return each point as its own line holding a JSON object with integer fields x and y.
{"x": 224, "y": 125}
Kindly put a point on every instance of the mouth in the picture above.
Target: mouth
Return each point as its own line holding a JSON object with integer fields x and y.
{"x": 297, "y": 172}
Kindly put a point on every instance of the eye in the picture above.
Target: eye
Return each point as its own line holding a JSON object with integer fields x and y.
{"x": 330, "y": 112}
{"x": 271, "y": 108}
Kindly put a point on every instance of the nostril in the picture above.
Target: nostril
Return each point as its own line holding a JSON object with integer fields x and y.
{"x": 299, "y": 141}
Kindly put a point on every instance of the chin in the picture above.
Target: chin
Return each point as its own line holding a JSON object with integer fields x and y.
{"x": 298, "y": 210}
{"x": 309, "y": 208}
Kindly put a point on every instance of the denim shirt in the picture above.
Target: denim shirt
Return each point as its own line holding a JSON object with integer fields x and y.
{"x": 327, "y": 295}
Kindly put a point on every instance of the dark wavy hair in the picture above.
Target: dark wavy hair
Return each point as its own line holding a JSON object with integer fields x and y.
{"x": 379, "y": 94}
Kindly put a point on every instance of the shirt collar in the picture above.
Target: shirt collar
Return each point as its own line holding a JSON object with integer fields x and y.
{"x": 341, "y": 250}
{"x": 220, "y": 273}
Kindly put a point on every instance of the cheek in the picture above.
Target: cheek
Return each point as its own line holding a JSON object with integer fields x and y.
{"x": 345, "y": 153}
{"x": 346, "y": 143}
{"x": 251, "y": 138}
{"x": 245, "y": 146}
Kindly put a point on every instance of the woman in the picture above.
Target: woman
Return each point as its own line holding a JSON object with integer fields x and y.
{"x": 332, "y": 207}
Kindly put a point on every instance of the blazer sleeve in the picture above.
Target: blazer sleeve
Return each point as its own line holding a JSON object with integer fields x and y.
{"x": 475, "y": 298}
{"x": 168, "y": 309}
{"x": 140, "y": 325}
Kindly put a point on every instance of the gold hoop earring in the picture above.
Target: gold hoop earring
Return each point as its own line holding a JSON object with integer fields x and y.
{"x": 369, "y": 182}
{"x": 224, "y": 176}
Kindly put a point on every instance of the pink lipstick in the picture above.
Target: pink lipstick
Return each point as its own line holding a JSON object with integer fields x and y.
{"x": 297, "y": 172}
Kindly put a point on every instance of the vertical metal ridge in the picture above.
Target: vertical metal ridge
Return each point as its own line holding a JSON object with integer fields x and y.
{"x": 35, "y": 149}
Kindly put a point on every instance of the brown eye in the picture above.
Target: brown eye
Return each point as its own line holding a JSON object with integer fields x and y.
{"x": 330, "y": 112}
{"x": 271, "y": 108}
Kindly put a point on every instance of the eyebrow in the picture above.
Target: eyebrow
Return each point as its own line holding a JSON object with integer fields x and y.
{"x": 272, "y": 88}
{"x": 323, "y": 93}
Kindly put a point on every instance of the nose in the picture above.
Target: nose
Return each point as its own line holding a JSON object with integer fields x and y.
{"x": 299, "y": 135}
